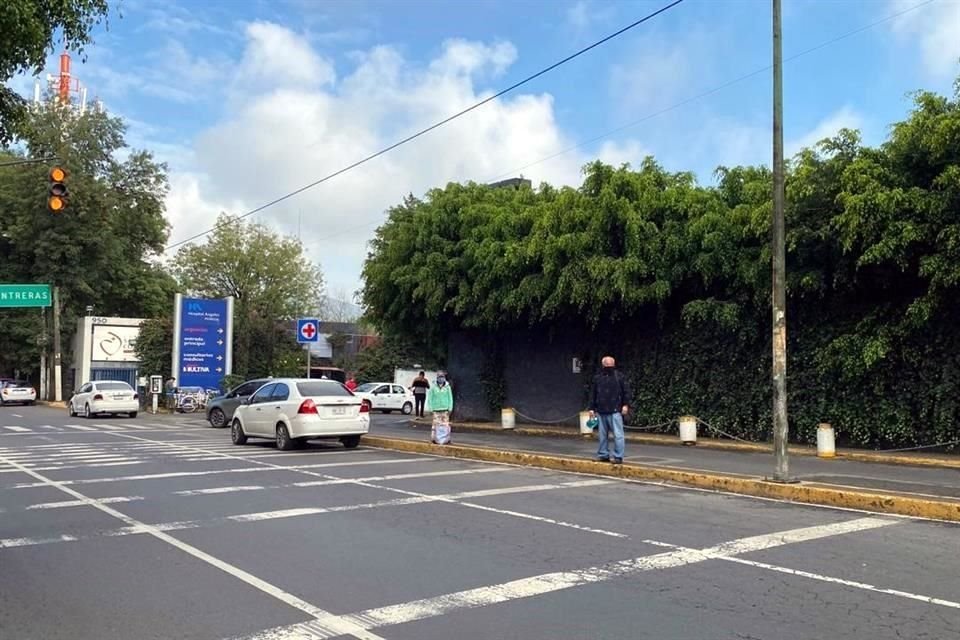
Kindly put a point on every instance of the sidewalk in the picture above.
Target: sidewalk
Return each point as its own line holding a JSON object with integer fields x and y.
{"x": 873, "y": 476}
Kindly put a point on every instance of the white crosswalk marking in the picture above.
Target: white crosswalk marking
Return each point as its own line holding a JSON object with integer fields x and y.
{"x": 17, "y": 429}
{"x": 79, "y": 427}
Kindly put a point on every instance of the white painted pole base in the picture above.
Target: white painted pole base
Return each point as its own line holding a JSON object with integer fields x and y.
{"x": 585, "y": 429}
{"x": 154, "y": 403}
{"x": 508, "y": 418}
{"x": 688, "y": 430}
{"x": 826, "y": 443}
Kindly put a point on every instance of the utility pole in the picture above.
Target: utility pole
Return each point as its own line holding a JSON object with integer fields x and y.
{"x": 779, "y": 371}
{"x": 57, "y": 383}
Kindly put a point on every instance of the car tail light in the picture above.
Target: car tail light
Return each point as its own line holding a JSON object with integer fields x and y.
{"x": 365, "y": 408}
{"x": 98, "y": 397}
{"x": 307, "y": 406}
{"x": 136, "y": 396}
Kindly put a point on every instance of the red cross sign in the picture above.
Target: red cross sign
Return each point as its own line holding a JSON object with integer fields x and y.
{"x": 307, "y": 330}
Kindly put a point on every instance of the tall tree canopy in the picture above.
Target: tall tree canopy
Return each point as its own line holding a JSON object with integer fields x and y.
{"x": 103, "y": 250}
{"x": 29, "y": 30}
{"x": 272, "y": 281}
{"x": 873, "y": 256}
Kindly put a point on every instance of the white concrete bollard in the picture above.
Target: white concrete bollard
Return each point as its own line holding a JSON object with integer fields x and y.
{"x": 826, "y": 441}
{"x": 508, "y": 418}
{"x": 585, "y": 429}
{"x": 688, "y": 430}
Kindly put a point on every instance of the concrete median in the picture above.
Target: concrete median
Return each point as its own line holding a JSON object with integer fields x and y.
{"x": 832, "y": 495}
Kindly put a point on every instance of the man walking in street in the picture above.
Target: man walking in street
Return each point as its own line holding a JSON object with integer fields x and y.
{"x": 610, "y": 400}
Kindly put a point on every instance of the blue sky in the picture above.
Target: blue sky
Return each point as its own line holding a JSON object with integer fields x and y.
{"x": 248, "y": 99}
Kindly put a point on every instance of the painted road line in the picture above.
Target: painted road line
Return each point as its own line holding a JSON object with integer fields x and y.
{"x": 319, "y": 483}
{"x": 16, "y": 415}
{"x": 79, "y": 427}
{"x": 405, "y": 476}
{"x": 81, "y": 503}
{"x": 823, "y": 578}
{"x": 332, "y": 623}
{"x": 109, "y": 427}
{"x": 556, "y": 581}
{"x": 18, "y": 429}
{"x": 260, "y": 516}
{"x": 210, "y": 472}
{"x": 426, "y": 497}
{"x": 217, "y": 490}
{"x": 848, "y": 583}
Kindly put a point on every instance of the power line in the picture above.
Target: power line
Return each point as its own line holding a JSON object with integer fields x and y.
{"x": 676, "y": 105}
{"x": 433, "y": 126}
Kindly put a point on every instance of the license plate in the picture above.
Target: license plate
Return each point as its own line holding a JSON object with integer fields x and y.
{"x": 339, "y": 411}
{"x": 119, "y": 396}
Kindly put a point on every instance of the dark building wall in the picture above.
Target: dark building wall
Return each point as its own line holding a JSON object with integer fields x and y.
{"x": 537, "y": 371}
{"x": 465, "y": 359}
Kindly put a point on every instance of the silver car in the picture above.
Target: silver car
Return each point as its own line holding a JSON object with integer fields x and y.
{"x": 220, "y": 410}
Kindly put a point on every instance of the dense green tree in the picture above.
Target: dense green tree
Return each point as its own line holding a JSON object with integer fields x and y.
{"x": 29, "y": 30}
{"x": 272, "y": 282}
{"x": 677, "y": 276}
{"x": 103, "y": 251}
{"x": 155, "y": 346}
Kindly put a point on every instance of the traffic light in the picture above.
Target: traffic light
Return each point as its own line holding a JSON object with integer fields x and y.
{"x": 57, "y": 196}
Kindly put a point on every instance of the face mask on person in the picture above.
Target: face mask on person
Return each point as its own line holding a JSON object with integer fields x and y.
{"x": 441, "y": 380}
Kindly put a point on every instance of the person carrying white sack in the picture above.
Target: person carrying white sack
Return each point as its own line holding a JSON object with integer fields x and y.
{"x": 440, "y": 404}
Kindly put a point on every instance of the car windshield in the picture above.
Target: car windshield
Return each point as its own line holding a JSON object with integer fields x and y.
{"x": 321, "y": 388}
{"x": 114, "y": 386}
{"x": 16, "y": 383}
{"x": 370, "y": 386}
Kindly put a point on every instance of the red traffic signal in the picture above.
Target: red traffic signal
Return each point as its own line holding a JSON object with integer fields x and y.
{"x": 57, "y": 193}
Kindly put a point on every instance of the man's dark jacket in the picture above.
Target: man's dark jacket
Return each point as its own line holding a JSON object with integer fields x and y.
{"x": 610, "y": 392}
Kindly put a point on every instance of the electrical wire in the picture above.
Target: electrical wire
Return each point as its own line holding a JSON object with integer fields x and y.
{"x": 431, "y": 127}
{"x": 676, "y": 105}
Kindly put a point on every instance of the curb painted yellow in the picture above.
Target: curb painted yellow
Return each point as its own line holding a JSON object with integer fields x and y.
{"x": 809, "y": 493}
{"x": 720, "y": 445}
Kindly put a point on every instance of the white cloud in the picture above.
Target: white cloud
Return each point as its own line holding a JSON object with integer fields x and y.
{"x": 276, "y": 56}
{"x": 583, "y": 15}
{"x": 288, "y": 133}
{"x": 936, "y": 29}
{"x": 630, "y": 152}
{"x": 844, "y": 118}
{"x": 660, "y": 71}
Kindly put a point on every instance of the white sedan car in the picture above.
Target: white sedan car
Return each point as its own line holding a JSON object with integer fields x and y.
{"x": 104, "y": 396}
{"x": 16, "y": 391}
{"x": 386, "y": 397}
{"x": 294, "y": 410}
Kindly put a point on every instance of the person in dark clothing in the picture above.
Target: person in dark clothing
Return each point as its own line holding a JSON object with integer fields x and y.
{"x": 420, "y": 387}
{"x": 610, "y": 401}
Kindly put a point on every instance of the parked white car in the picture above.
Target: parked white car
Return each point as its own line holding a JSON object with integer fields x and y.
{"x": 294, "y": 410}
{"x": 104, "y": 397}
{"x": 386, "y": 397}
{"x": 16, "y": 391}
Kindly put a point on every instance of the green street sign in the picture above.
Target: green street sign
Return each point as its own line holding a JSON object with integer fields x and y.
{"x": 24, "y": 295}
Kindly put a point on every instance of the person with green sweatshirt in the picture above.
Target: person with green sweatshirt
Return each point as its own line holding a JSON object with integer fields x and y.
{"x": 440, "y": 404}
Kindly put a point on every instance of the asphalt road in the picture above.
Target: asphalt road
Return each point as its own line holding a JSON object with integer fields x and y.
{"x": 160, "y": 528}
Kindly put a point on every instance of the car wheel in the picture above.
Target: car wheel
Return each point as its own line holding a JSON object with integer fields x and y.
{"x": 133, "y": 414}
{"x": 71, "y": 410}
{"x": 217, "y": 419}
{"x": 407, "y": 408}
{"x": 86, "y": 412}
{"x": 350, "y": 442}
{"x": 236, "y": 433}
{"x": 284, "y": 441}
